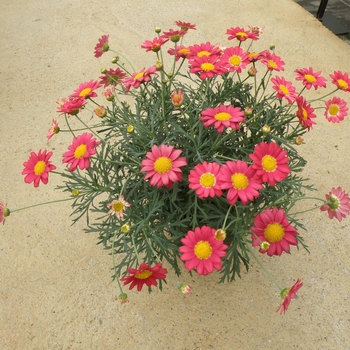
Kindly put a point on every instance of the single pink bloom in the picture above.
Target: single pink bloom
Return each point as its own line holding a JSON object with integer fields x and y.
{"x": 270, "y": 163}
{"x": 338, "y": 204}
{"x": 137, "y": 79}
{"x": 287, "y": 295}
{"x": 80, "y": 151}
{"x": 112, "y": 77}
{"x": 310, "y": 78}
{"x": 102, "y": 46}
{"x": 239, "y": 178}
{"x": 180, "y": 51}
{"x": 177, "y": 98}
{"x": 174, "y": 35}
{"x": 118, "y": 207}
{"x": 86, "y": 90}
{"x": 284, "y": 89}
{"x": 202, "y": 251}
{"x": 71, "y": 105}
{"x": 144, "y": 275}
{"x": 223, "y": 117}
{"x": 272, "y": 226}
{"x": 234, "y": 59}
{"x": 162, "y": 166}
{"x": 4, "y": 212}
{"x": 185, "y": 25}
{"x": 257, "y": 29}
{"x": 37, "y": 168}
{"x": 271, "y": 61}
{"x": 241, "y": 35}
{"x": 54, "y": 129}
{"x": 336, "y": 110}
{"x": 341, "y": 80}
{"x": 205, "y": 180}
{"x": 206, "y": 66}
{"x": 154, "y": 45}
{"x": 201, "y": 50}
{"x": 305, "y": 113}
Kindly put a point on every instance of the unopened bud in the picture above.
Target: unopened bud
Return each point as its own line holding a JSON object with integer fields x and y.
{"x": 157, "y": 30}
{"x": 298, "y": 140}
{"x": 252, "y": 71}
{"x": 220, "y": 234}
{"x": 248, "y": 111}
{"x": 115, "y": 59}
{"x": 123, "y": 298}
{"x": 75, "y": 192}
{"x": 272, "y": 47}
{"x": 100, "y": 111}
{"x": 125, "y": 228}
{"x": 103, "y": 70}
{"x": 266, "y": 129}
{"x": 264, "y": 245}
{"x": 159, "y": 65}
{"x": 185, "y": 289}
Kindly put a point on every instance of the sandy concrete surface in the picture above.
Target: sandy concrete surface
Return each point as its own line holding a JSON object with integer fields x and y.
{"x": 55, "y": 282}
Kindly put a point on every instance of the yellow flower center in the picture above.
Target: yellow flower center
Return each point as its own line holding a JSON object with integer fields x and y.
{"x": 333, "y": 109}
{"x": 84, "y": 92}
{"x": 207, "y": 66}
{"x": 269, "y": 163}
{"x": 184, "y": 51}
{"x": 144, "y": 274}
{"x": 207, "y": 180}
{"x": 274, "y": 232}
{"x": 272, "y": 64}
{"x": 118, "y": 206}
{"x": 80, "y": 151}
{"x": 203, "y": 53}
{"x": 241, "y": 34}
{"x": 39, "y": 167}
{"x": 203, "y": 250}
{"x": 342, "y": 84}
{"x": 284, "y": 89}
{"x": 304, "y": 113}
{"x": 309, "y": 78}
{"x": 239, "y": 181}
{"x": 162, "y": 165}
{"x": 235, "y": 60}
{"x": 222, "y": 116}
{"x": 139, "y": 75}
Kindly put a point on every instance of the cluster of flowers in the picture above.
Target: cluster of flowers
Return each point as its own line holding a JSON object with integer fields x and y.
{"x": 203, "y": 247}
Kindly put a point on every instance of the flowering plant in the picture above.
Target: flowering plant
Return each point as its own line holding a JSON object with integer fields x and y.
{"x": 193, "y": 159}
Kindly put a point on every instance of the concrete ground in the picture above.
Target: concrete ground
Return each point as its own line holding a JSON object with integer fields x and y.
{"x": 55, "y": 285}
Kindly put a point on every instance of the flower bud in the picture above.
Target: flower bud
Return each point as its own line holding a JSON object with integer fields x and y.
{"x": 75, "y": 193}
{"x": 264, "y": 245}
{"x": 100, "y": 111}
{"x": 123, "y": 298}
{"x": 185, "y": 289}
{"x": 252, "y": 71}
{"x": 298, "y": 140}
{"x": 177, "y": 98}
{"x": 125, "y": 228}
{"x": 266, "y": 129}
{"x": 157, "y": 30}
{"x": 248, "y": 111}
{"x": 103, "y": 70}
{"x": 272, "y": 47}
{"x": 115, "y": 59}
{"x": 109, "y": 94}
{"x": 159, "y": 65}
{"x": 220, "y": 234}
{"x": 130, "y": 129}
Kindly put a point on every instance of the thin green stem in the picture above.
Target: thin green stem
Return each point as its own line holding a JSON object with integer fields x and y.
{"x": 44, "y": 203}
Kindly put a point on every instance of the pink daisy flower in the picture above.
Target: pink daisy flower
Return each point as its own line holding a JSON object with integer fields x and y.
{"x": 206, "y": 66}
{"x": 222, "y": 117}
{"x": 86, "y": 90}
{"x": 185, "y": 25}
{"x": 235, "y": 59}
{"x": 118, "y": 207}
{"x": 54, "y": 129}
{"x": 257, "y": 29}
{"x": 37, "y": 168}
{"x": 310, "y": 78}
{"x": 102, "y": 46}
{"x": 71, "y": 105}
{"x": 202, "y": 251}
{"x": 144, "y": 275}
{"x": 336, "y": 110}
{"x": 180, "y": 51}
{"x": 201, "y": 50}
{"x": 163, "y": 166}
{"x": 154, "y": 45}
{"x": 112, "y": 77}
{"x": 270, "y": 163}
{"x": 177, "y": 98}
{"x": 341, "y": 80}
{"x": 287, "y": 294}
{"x": 338, "y": 204}
{"x": 4, "y": 212}
{"x": 144, "y": 76}
{"x": 284, "y": 89}
{"x": 238, "y": 178}
{"x": 271, "y": 61}
{"x": 174, "y": 35}
{"x": 272, "y": 226}
{"x": 80, "y": 151}
{"x": 204, "y": 179}
{"x": 253, "y": 56}
{"x": 305, "y": 113}
{"x": 241, "y": 35}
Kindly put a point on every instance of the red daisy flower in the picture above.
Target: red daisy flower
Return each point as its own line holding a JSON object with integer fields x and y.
{"x": 239, "y": 179}
{"x": 86, "y": 90}
{"x": 338, "y": 204}
{"x": 222, "y": 117}
{"x": 163, "y": 166}
{"x": 241, "y": 35}
{"x": 336, "y": 110}
{"x": 287, "y": 294}
{"x": 54, "y": 129}
{"x": 272, "y": 226}
{"x": 305, "y": 113}
{"x": 80, "y": 151}
{"x": 174, "y": 35}
{"x": 201, "y": 50}
{"x": 112, "y": 77}
{"x": 206, "y": 66}
{"x": 310, "y": 78}
{"x": 204, "y": 178}
{"x": 235, "y": 59}
{"x": 71, "y": 105}
{"x": 271, "y": 61}
{"x": 341, "y": 80}
{"x": 144, "y": 275}
{"x": 270, "y": 162}
{"x": 102, "y": 46}
{"x": 37, "y": 168}
{"x": 202, "y": 251}
{"x": 4, "y": 212}
{"x": 154, "y": 45}
{"x": 180, "y": 52}
{"x": 137, "y": 79}
{"x": 185, "y": 25}
{"x": 284, "y": 89}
